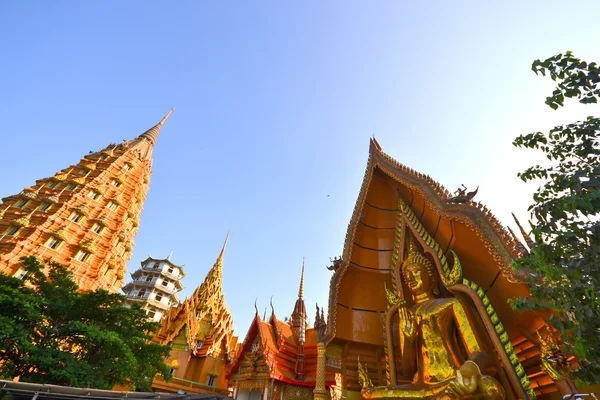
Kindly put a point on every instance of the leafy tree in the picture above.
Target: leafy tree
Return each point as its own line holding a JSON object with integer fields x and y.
{"x": 52, "y": 333}
{"x": 563, "y": 269}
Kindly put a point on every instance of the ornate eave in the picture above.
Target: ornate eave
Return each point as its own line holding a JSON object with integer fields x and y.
{"x": 474, "y": 215}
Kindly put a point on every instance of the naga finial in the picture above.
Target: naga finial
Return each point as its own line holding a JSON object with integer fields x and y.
{"x": 336, "y": 262}
{"x": 462, "y": 196}
{"x": 363, "y": 376}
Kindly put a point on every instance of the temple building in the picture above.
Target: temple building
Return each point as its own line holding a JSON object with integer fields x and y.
{"x": 200, "y": 331}
{"x": 84, "y": 217}
{"x": 278, "y": 359}
{"x": 155, "y": 286}
{"x": 418, "y": 301}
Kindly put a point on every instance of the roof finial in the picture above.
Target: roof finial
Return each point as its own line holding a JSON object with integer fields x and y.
{"x": 224, "y": 245}
{"x": 523, "y": 233}
{"x": 152, "y": 133}
{"x": 301, "y": 290}
{"x": 256, "y": 307}
{"x": 170, "y": 254}
{"x": 272, "y": 308}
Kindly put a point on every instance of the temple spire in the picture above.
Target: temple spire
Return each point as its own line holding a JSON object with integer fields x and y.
{"x": 301, "y": 290}
{"x": 224, "y": 246}
{"x": 152, "y": 133}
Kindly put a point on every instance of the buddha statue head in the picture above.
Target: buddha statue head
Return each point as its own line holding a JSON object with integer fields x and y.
{"x": 419, "y": 274}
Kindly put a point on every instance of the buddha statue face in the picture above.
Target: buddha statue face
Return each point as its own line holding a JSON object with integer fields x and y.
{"x": 418, "y": 279}
{"x": 419, "y": 275}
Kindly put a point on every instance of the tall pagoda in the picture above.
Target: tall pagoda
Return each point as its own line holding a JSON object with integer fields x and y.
{"x": 155, "y": 286}
{"x": 84, "y": 217}
{"x": 200, "y": 331}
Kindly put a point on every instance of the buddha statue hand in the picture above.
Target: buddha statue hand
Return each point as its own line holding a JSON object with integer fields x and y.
{"x": 466, "y": 381}
{"x": 407, "y": 320}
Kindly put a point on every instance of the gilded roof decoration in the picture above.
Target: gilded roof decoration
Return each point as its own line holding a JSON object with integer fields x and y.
{"x": 102, "y": 220}
{"x": 59, "y": 177}
{"x": 31, "y": 195}
{"x": 61, "y": 234}
{"x": 78, "y": 181}
{"x": 22, "y": 221}
{"x": 89, "y": 166}
{"x": 117, "y": 199}
{"x": 107, "y": 152}
{"x": 119, "y": 178}
{"x": 52, "y": 199}
{"x": 101, "y": 188}
{"x": 88, "y": 246}
{"x": 82, "y": 209}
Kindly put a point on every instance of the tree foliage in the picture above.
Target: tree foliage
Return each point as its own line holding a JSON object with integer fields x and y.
{"x": 52, "y": 333}
{"x": 563, "y": 269}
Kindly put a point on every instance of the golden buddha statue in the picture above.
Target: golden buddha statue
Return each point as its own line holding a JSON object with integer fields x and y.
{"x": 441, "y": 354}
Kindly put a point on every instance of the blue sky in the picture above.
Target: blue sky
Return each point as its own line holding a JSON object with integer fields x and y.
{"x": 275, "y": 103}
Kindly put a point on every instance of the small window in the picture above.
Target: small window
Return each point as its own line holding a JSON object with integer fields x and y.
{"x": 199, "y": 344}
{"x": 103, "y": 157}
{"x": 170, "y": 270}
{"x": 156, "y": 265}
{"x": 148, "y": 278}
{"x": 93, "y": 195}
{"x": 76, "y": 217}
{"x": 112, "y": 205}
{"x": 53, "y": 243}
{"x": 124, "y": 252}
{"x": 117, "y": 242}
{"x": 158, "y": 297}
{"x": 97, "y": 228}
{"x": 142, "y": 293}
{"x": 22, "y": 203}
{"x": 13, "y": 230}
{"x": 115, "y": 183}
{"x": 44, "y": 206}
{"x": 127, "y": 216}
{"x": 85, "y": 171}
{"x": 71, "y": 187}
{"x": 172, "y": 371}
{"x": 127, "y": 167}
{"x": 151, "y": 313}
{"x": 21, "y": 274}
{"x": 165, "y": 283}
{"x": 211, "y": 380}
{"x": 52, "y": 184}
{"x": 106, "y": 271}
{"x": 82, "y": 255}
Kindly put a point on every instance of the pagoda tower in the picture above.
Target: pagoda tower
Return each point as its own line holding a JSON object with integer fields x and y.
{"x": 299, "y": 321}
{"x": 84, "y": 217}
{"x": 155, "y": 286}
{"x": 200, "y": 331}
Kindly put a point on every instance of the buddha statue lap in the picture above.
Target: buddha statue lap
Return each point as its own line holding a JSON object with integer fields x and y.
{"x": 441, "y": 355}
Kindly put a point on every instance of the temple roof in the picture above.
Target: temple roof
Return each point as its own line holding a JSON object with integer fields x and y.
{"x": 203, "y": 317}
{"x": 484, "y": 247}
{"x": 277, "y": 342}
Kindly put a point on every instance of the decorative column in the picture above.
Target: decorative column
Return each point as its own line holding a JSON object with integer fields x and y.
{"x": 320, "y": 392}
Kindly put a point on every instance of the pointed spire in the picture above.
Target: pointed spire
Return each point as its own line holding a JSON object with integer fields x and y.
{"x": 301, "y": 290}
{"x": 523, "y": 233}
{"x": 224, "y": 245}
{"x": 152, "y": 133}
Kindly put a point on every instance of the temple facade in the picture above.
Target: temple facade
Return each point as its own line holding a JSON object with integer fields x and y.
{"x": 278, "y": 359}
{"x": 200, "y": 331}
{"x": 154, "y": 286}
{"x": 84, "y": 217}
{"x": 418, "y": 300}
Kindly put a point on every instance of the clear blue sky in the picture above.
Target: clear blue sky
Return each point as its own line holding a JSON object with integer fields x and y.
{"x": 275, "y": 102}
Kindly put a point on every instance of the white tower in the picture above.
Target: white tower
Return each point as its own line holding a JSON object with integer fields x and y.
{"x": 155, "y": 286}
